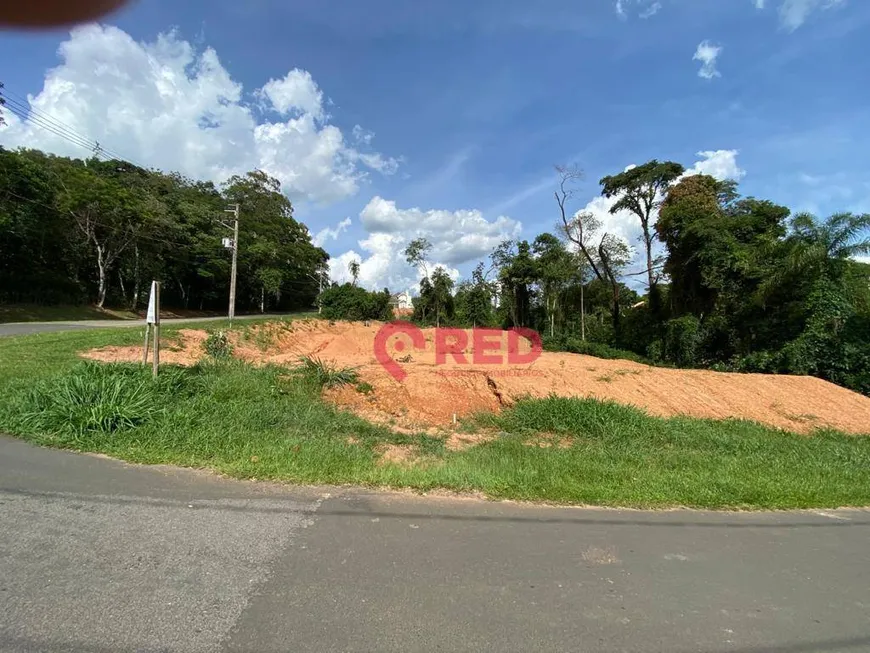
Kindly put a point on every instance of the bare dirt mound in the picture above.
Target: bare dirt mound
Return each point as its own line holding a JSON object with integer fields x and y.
{"x": 432, "y": 394}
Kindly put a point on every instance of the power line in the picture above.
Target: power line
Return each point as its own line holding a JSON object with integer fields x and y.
{"x": 55, "y": 125}
{"x": 24, "y": 115}
{"x": 23, "y": 109}
{"x": 24, "y": 101}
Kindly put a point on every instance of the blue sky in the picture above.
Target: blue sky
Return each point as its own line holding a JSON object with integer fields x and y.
{"x": 460, "y": 109}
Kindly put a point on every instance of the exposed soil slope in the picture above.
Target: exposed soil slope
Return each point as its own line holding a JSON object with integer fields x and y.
{"x": 431, "y": 394}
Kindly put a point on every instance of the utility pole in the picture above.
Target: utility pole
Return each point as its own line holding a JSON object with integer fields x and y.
{"x": 235, "y": 245}
{"x": 319, "y": 293}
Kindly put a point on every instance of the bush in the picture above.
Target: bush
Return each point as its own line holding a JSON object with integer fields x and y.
{"x": 682, "y": 340}
{"x": 638, "y": 329}
{"x": 599, "y": 350}
{"x": 324, "y": 375}
{"x": 349, "y": 302}
{"x": 217, "y": 345}
{"x": 99, "y": 398}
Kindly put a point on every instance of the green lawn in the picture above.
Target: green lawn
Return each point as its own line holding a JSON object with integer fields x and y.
{"x": 268, "y": 423}
{"x": 35, "y": 313}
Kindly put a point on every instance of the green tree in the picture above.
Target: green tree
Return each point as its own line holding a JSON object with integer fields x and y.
{"x": 106, "y": 213}
{"x": 557, "y": 268}
{"x": 353, "y": 268}
{"x": 640, "y": 191}
{"x": 823, "y": 248}
{"x": 473, "y": 300}
{"x": 416, "y": 253}
{"x": 518, "y": 273}
{"x": 276, "y": 256}
{"x": 442, "y": 295}
{"x": 349, "y": 302}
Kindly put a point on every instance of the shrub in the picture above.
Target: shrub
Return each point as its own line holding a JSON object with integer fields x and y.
{"x": 681, "y": 344}
{"x": 349, "y": 302}
{"x": 217, "y": 345}
{"x": 324, "y": 375}
{"x": 599, "y": 350}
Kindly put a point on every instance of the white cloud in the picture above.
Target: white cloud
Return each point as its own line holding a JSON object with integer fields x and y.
{"x": 457, "y": 237}
{"x": 361, "y": 135}
{"x": 650, "y": 11}
{"x": 793, "y": 13}
{"x": 296, "y": 94}
{"x": 645, "y": 8}
{"x": 167, "y": 105}
{"x": 863, "y": 259}
{"x": 721, "y": 164}
{"x": 331, "y": 233}
{"x": 382, "y": 265}
{"x": 707, "y": 53}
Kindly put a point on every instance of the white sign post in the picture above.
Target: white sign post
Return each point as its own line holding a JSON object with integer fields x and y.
{"x": 153, "y": 317}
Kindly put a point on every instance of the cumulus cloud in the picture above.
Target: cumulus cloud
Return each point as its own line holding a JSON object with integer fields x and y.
{"x": 168, "y": 105}
{"x": 296, "y": 94}
{"x": 721, "y": 164}
{"x": 331, "y": 233}
{"x": 707, "y": 53}
{"x": 457, "y": 237}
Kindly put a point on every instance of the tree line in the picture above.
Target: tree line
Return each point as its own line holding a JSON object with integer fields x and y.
{"x": 731, "y": 282}
{"x": 76, "y": 231}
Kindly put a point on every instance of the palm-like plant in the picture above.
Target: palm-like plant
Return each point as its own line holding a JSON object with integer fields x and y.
{"x": 820, "y": 248}
{"x": 816, "y": 244}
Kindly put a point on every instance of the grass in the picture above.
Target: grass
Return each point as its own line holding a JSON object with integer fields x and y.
{"x": 267, "y": 424}
{"x": 35, "y": 313}
{"x": 323, "y": 375}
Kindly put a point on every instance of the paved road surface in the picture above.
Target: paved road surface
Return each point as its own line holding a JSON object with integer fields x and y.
{"x": 98, "y": 556}
{"x": 22, "y": 328}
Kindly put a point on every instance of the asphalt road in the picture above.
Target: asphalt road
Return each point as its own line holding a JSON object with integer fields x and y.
{"x": 99, "y": 556}
{"x": 23, "y": 328}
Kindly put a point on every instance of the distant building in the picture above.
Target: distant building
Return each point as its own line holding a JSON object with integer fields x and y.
{"x": 402, "y": 301}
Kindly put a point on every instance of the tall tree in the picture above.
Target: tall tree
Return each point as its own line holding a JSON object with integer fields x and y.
{"x": 556, "y": 269}
{"x": 353, "y": 268}
{"x": 519, "y": 272}
{"x": 640, "y": 190}
{"x": 104, "y": 211}
{"x": 613, "y": 255}
{"x": 416, "y": 253}
{"x": 442, "y": 294}
{"x": 276, "y": 255}
{"x": 473, "y": 299}
{"x": 581, "y": 230}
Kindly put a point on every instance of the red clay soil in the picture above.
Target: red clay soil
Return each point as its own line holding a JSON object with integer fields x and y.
{"x": 432, "y": 394}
